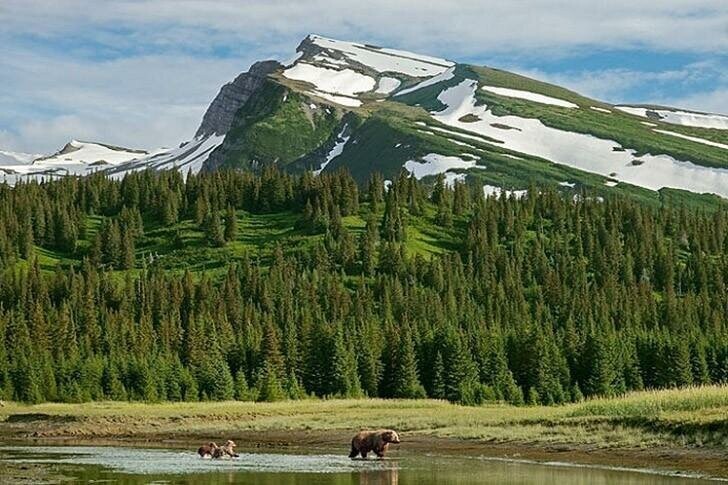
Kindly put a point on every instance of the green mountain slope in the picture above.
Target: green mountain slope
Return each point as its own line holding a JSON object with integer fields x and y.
{"x": 394, "y": 104}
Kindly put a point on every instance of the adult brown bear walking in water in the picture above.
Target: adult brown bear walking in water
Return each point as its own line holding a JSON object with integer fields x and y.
{"x": 376, "y": 441}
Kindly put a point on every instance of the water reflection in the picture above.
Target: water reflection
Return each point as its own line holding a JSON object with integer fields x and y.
{"x": 379, "y": 477}
{"x": 137, "y": 465}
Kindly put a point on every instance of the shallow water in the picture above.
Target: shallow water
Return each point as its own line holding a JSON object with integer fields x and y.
{"x": 140, "y": 465}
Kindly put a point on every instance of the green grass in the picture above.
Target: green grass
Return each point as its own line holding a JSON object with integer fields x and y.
{"x": 687, "y": 417}
{"x": 657, "y": 403}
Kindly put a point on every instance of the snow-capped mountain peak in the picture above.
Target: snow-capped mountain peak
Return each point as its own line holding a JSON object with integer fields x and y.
{"x": 340, "y": 104}
{"x": 342, "y": 72}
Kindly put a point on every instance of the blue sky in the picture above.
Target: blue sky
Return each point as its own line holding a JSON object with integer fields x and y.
{"x": 140, "y": 73}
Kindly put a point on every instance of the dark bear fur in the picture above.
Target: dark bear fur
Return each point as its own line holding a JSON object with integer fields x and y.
{"x": 376, "y": 441}
{"x": 208, "y": 449}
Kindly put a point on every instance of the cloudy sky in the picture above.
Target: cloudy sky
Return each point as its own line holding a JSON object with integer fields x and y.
{"x": 140, "y": 73}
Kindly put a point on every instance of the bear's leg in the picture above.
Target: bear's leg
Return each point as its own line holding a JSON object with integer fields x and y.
{"x": 364, "y": 454}
{"x": 353, "y": 452}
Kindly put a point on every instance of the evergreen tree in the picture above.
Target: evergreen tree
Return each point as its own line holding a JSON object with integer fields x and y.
{"x": 375, "y": 191}
{"x": 231, "y": 221}
{"x": 438, "y": 380}
{"x": 214, "y": 230}
{"x": 404, "y": 374}
{"x": 345, "y": 377}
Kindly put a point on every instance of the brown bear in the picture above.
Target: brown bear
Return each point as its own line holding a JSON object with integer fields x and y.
{"x": 376, "y": 441}
{"x": 228, "y": 449}
{"x": 208, "y": 450}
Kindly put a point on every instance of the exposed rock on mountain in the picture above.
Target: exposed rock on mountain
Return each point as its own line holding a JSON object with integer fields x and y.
{"x": 219, "y": 116}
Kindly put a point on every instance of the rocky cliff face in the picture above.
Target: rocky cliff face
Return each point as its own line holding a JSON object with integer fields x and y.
{"x": 219, "y": 116}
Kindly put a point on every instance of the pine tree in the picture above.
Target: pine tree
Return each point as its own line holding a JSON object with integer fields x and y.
{"x": 231, "y": 221}
{"x": 375, "y": 191}
{"x": 438, "y": 379}
{"x": 127, "y": 250}
{"x": 214, "y": 230}
{"x": 345, "y": 377}
{"x": 26, "y": 240}
{"x": 242, "y": 392}
{"x": 601, "y": 373}
{"x": 405, "y": 380}
{"x": 269, "y": 385}
{"x": 111, "y": 244}
{"x": 393, "y": 223}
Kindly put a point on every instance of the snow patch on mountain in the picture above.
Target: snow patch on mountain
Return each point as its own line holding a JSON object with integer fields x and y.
{"x": 387, "y": 85}
{"x": 679, "y": 117}
{"x": 633, "y": 110}
{"x": 577, "y": 150}
{"x": 385, "y": 60}
{"x": 76, "y": 158}
{"x": 189, "y": 157}
{"x": 342, "y": 100}
{"x": 323, "y": 58}
{"x": 434, "y": 163}
{"x": 335, "y": 151}
{"x": 344, "y": 82}
{"x": 694, "y": 138}
{"x": 443, "y": 76}
{"x": 529, "y": 96}
{"x": 86, "y": 153}
{"x": 495, "y": 192}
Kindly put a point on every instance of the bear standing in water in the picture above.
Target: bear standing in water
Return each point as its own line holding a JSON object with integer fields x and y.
{"x": 376, "y": 441}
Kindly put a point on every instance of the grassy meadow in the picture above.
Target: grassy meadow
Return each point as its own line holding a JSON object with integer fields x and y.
{"x": 691, "y": 417}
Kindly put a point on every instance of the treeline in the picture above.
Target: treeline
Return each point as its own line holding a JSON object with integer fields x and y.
{"x": 542, "y": 300}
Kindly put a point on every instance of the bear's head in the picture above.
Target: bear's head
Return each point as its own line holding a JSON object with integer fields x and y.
{"x": 390, "y": 436}
{"x": 230, "y": 444}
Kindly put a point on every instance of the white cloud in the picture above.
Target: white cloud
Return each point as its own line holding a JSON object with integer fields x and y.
{"x": 714, "y": 101}
{"x": 143, "y": 102}
{"x": 445, "y": 26}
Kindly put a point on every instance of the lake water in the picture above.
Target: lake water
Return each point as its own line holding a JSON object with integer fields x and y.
{"x": 139, "y": 465}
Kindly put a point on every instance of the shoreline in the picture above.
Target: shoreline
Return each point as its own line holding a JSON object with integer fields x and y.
{"x": 669, "y": 461}
{"x": 667, "y": 432}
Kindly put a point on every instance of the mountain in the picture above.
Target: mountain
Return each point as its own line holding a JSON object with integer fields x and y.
{"x": 364, "y": 108}
{"x": 340, "y": 104}
{"x": 16, "y": 158}
{"x": 75, "y": 158}
{"x": 264, "y": 285}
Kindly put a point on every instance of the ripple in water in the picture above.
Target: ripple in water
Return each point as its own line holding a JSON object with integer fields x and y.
{"x": 154, "y": 461}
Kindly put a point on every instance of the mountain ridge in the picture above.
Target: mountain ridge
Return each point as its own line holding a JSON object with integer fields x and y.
{"x": 519, "y": 130}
